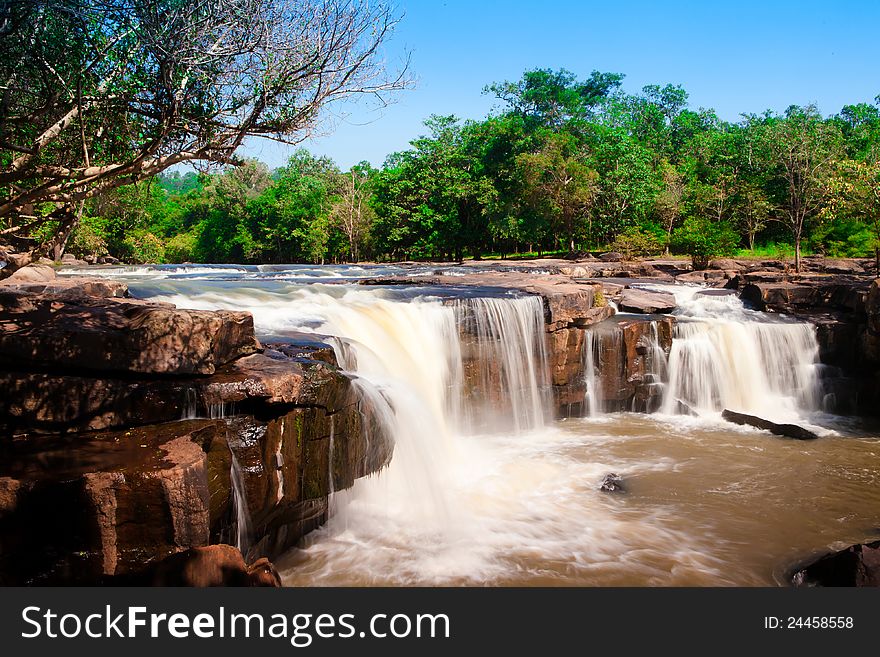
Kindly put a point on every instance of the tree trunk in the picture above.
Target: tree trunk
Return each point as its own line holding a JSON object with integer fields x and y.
{"x": 797, "y": 254}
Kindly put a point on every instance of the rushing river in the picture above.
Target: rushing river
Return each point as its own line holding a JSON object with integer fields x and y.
{"x": 514, "y": 500}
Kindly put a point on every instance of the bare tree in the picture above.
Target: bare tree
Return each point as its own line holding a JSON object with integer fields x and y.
{"x": 351, "y": 211}
{"x": 102, "y": 93}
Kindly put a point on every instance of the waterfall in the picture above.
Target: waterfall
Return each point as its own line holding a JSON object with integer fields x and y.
{"x": 726, "y": 356}
{"x": 242, "y": 515}
{"x": 507, "y": 357}
{"x": 591, "y": 373}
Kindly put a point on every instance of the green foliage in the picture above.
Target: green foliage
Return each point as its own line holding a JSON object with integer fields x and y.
{"x": 145, "y": 248}
{"x": 88, "y": 238}
{"x": 636, "y": 241}
{"x": 564, "y": 165}
{"x": 703, "y": 239}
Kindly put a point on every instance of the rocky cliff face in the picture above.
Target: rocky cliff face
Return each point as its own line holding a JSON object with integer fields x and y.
{"x": 133, "y": 430}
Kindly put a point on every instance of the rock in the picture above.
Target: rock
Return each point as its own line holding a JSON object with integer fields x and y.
{"x": 70, "y": 260}
{"x": 611, "y": 256}
{"x": 713, "y": 277}
{"x": 612, "y": 483}
{"x": 74, "y": 286}
{"x": 787, "y": 430}
{"x": 80, "y": 508}
{"x": 627, "y": 355}
{"x": 108, "y": 260}
{"x": 646, "y": 302}
{"x": 31, "y": 274}
{"x": 841, "y": 266}
{"x": 778, "y": 296}
{"x": 857, "y": 565}
{"x": 92, "y": 334}
{"x": 725, "y": 264}
{"x": 212, "y": 565}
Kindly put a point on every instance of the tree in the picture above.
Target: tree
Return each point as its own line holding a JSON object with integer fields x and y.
{"x": 803, "y": 148}
{"x": 668, "y": 204}
{"x": 103, "y": 94}
{"x": 553, "y": 98}
{"x": 558, "y": 185}
{"x": 351, "y": 211}
{"x": 754, "y": 212}
{"x": 855, "y": 190}
{"x": 704, "y": 239}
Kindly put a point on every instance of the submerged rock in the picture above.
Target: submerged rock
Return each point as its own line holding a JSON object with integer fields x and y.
{"x": 612, "y": 483}
{"x": 857, "y": 565}
{"x": 787, "y": 430}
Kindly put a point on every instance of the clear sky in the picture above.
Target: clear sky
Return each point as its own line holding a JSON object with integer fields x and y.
{"x": 735, "y": 57}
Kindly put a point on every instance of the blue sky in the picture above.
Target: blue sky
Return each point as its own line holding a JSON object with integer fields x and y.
{"x": 735, "y": 57}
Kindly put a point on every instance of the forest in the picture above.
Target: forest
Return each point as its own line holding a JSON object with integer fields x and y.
{"x": 564, "y": 165}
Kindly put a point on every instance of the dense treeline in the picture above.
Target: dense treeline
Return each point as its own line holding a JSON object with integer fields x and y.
{"x": 564, "y": 165}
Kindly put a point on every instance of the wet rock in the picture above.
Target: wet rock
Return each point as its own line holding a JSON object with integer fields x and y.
{"x": 646, "y": 302}
{"x": 612, "y": 483}
{"x": 629, "y": 352}
{"x": 45, "y": 401}
{"x": 842, "y": 266}
{"x": 787, "y": 430}
{"x": 857, "y": 565}
{"x": 779, "y": 296}
{"x": 212, "y": 565}
{"x": 54, "y": 331}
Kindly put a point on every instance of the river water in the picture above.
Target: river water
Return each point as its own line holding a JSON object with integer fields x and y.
{"x": 502, "y": 494}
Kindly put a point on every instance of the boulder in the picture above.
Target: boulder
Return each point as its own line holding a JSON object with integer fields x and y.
{"x": 212, "y": 565}
{"x": 612, "y": 483}
{"x": 857, "y": 565}
{"x": 74, "y": 286}
{"x": 787, "y": 430}
{"x": 70, "y": 260}
{"x": 646, "y": 302}
{"x": 725, "y": 264}
{"x": 31, "y": 274}
{"x": 842, "y": 266}
{"x": 705, "y": 277}
{"x": 611, "y": 256}
{"x": 53, "y": 331}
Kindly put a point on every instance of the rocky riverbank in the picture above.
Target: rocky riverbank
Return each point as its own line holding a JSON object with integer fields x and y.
{"x": 103, "y": 473}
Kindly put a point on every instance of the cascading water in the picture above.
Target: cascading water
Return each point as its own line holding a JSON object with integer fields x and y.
{"x": 726, "y": 356}
{"x": 242, "y": 527}
{"x": 505, "y": 341}
{"x": 476, "y": 497}
{"x": 591, "y": 374}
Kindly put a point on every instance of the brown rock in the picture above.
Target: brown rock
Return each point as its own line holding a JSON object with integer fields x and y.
{"x": 102, "y": 504}
{"x": 645, "y": 301}
{"x": 31, "y": 274}
{"x": 124, "y": 336}
{"x": 74, "y": 286}
{"x": 213, "y": 565}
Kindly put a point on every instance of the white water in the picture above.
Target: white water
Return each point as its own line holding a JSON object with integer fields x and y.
{"x": 242, "y": 516}
{"x": 517, "y": 501}
{"x": 726, "y": 356}
{"x": 591, "y": 374}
